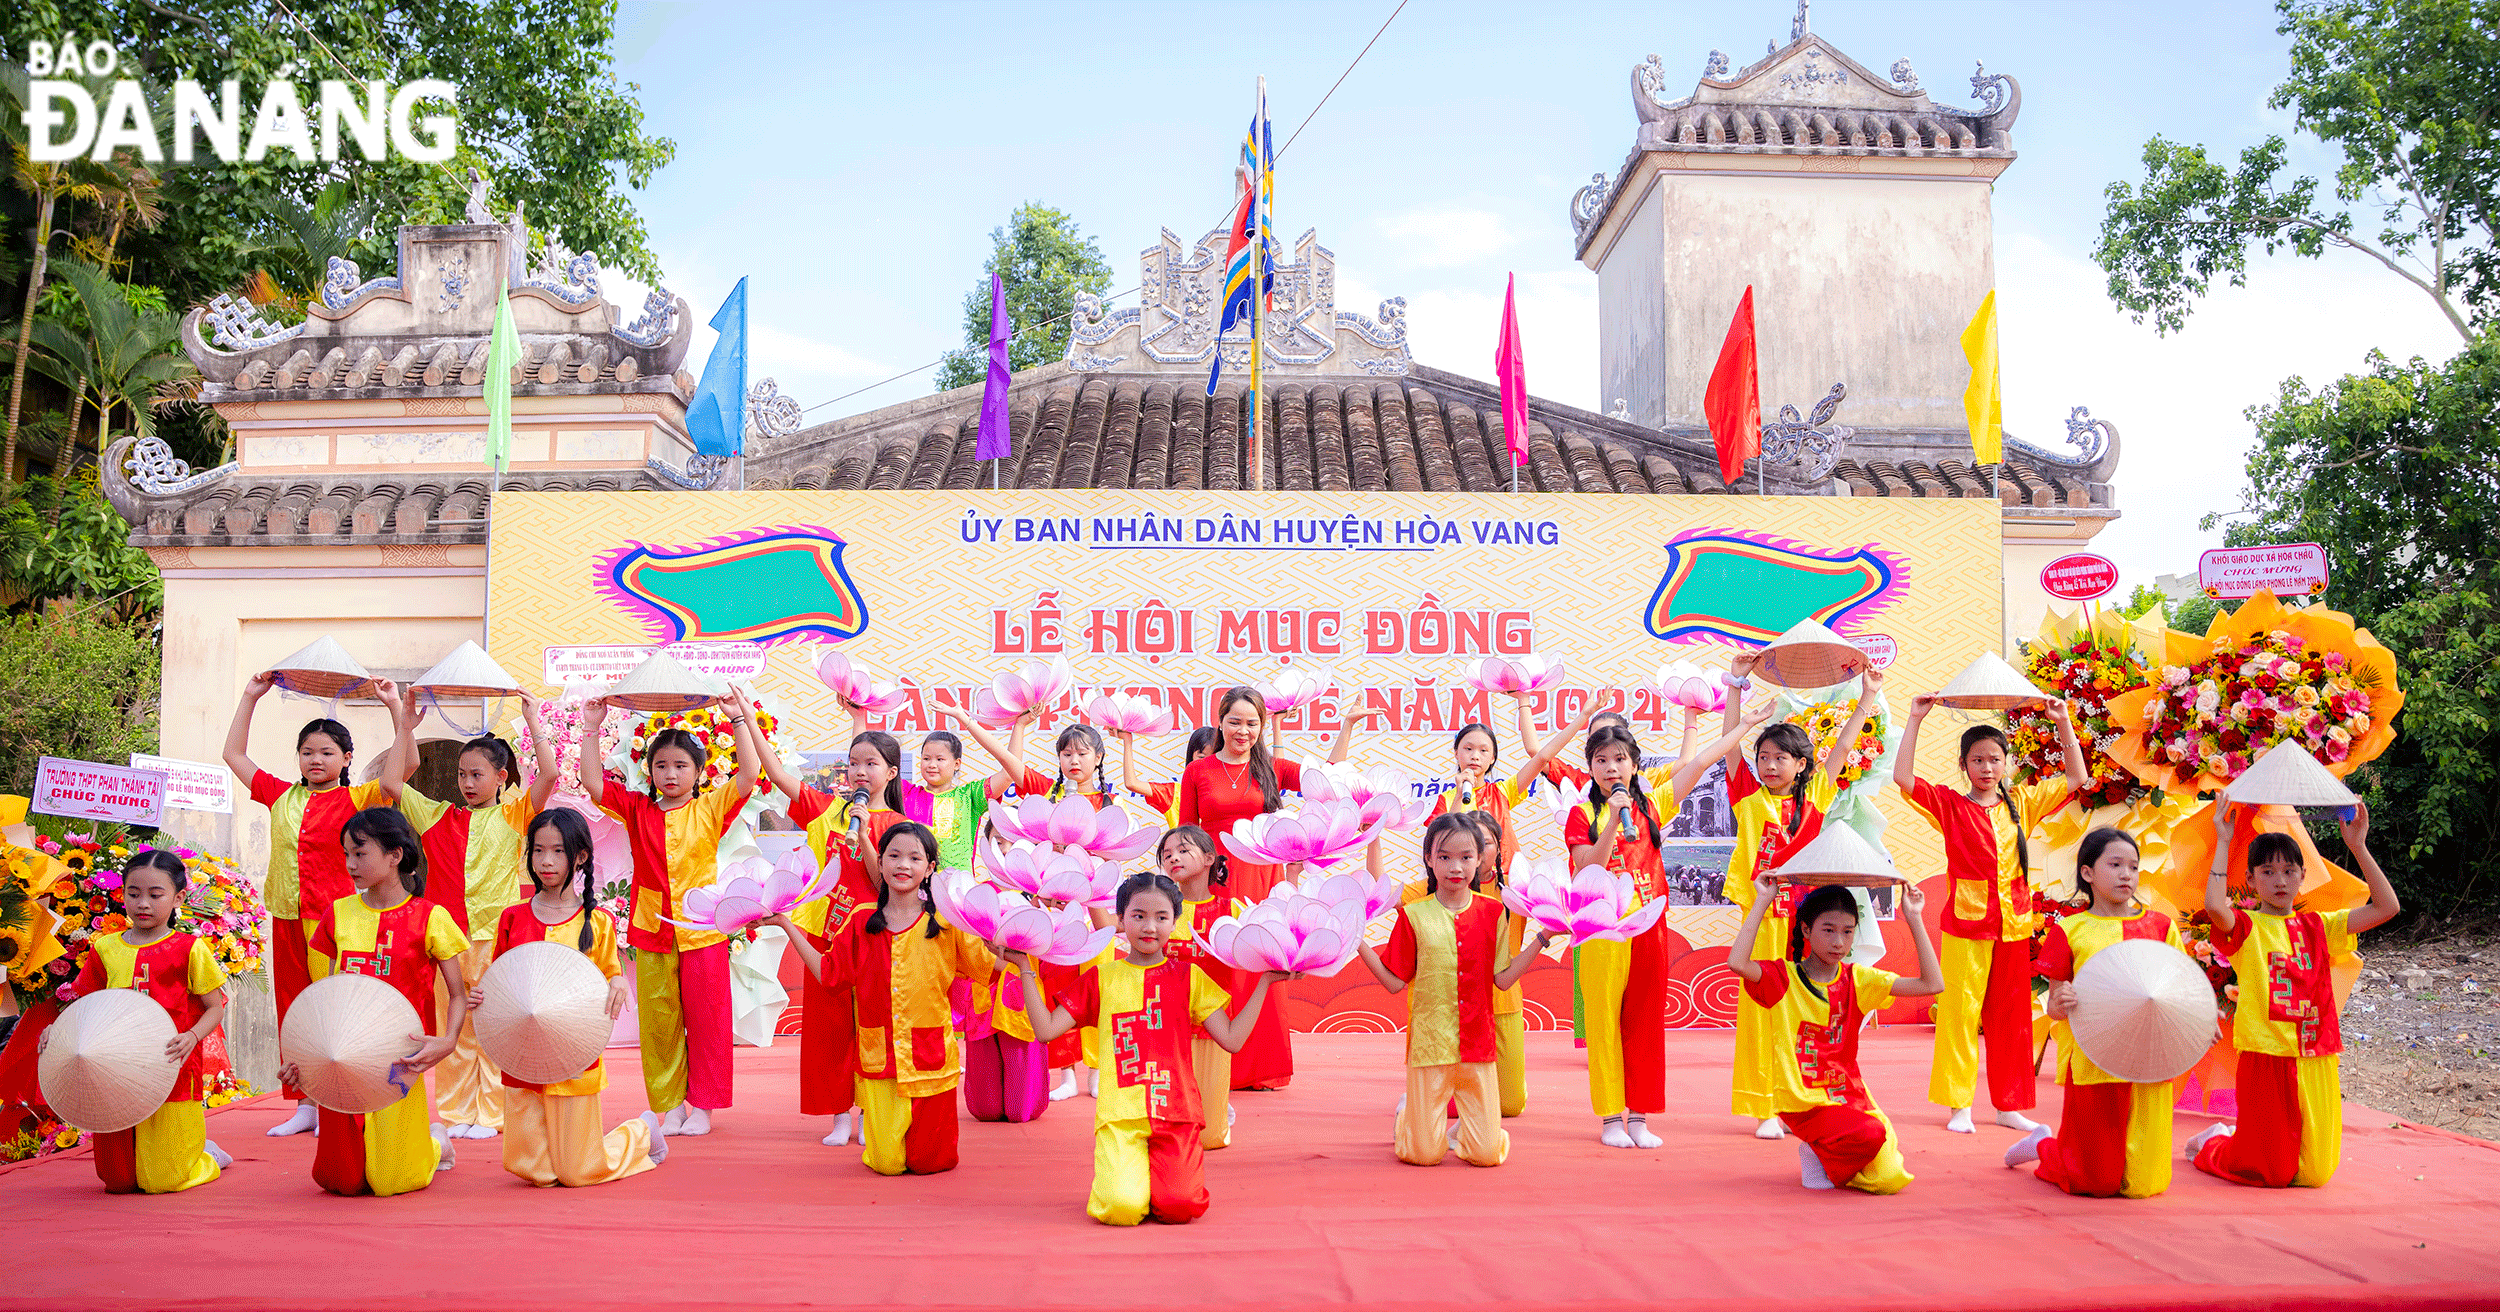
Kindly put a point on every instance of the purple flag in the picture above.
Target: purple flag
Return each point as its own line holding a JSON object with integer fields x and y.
{"x": 995, "y": 444}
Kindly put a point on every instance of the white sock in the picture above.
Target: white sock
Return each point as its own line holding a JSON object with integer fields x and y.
{"x": 1771, "y": 1127}
{"x": 1093, "y": 1082}
{"x": 1401, "y": 1104}
{"x": 659, "y": 1141}
{"x": 306, "y": 1118}
{"x": 1810, "y": 1169}
{"x": 219, "y": 1155}
{"x": 1611, "y": 1133}
{"x": 2197, "y": 1141}
{"x": 841, "y": 1131}
{"x": 674, "y": 1120}
{"x": 1638, "y": 1126}
{"x": 2027, "y": 1148}
{"x": 698, "y": 1121}
{"x": 2017, "y": 1121}
{"x": 1231, "y": 1114}
{"x": 1959, "y": 1121}
{"x": 1066, "y": 1088}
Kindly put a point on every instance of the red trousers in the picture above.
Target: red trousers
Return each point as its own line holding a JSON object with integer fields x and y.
{"x": 1844, "y": 1139}
{"x": 2088, "y": 1155}
{"x": 2290, "y": 1129}
{"x": 290, "y": 970}
{"x": 828, "y": 1045}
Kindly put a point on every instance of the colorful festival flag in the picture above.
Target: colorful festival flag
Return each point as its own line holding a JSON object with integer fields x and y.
{"x": 1255, "y": 178}
{"x": 717, "y": 417}
{"x": 1733, "y": 402}
{"x": 503, "y": 351}
{"x": 1510, "y": 366}
{"x": 995, "y": 442}
{"x": 1983, "y": 403}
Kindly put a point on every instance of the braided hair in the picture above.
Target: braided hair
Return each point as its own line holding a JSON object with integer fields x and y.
{"x": 1218, "y": 876}
{"x": 575, "y": 835}
{"x": 1814, "y": 906}
{"x": 1599, "y": 740}
{"x": 1442, "y": 826}
{"x": 1092, "y": 737}
{"x": 682, "y": 741}
{"x": 1794, "y": 741}
{"x": 918, "y": 833}
{"x": 335, "y": 732}
{"x": 1989, "y": 733}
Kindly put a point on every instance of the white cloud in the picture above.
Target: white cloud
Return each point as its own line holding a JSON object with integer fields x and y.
{"x": 1440, "y": 238}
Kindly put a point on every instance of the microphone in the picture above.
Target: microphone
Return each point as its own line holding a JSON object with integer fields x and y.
{"x": 858, "y": 801}
{"x": 1467, "y": 790}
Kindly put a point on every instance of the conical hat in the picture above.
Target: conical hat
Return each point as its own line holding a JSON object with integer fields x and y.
{"x": 103, "y": 1066}
{"x": 2143, "y": 1011}
{"x": 346, "y": 1035}
{"x": 468, "y": 672}
{"x": 1810, "y": 656}
{"x": 323, "y": 670}
{"x": 2287, "y": 775}
{"x": 1838, "y": 856}
{"x": 1989, "y": 684}
{"x": 660, "y": 683}
{"x": 545, "y": 1016}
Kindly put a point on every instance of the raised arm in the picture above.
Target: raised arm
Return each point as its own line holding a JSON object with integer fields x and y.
{"x": 1905, "y": 757}
{"x": 1128, "y": 762}
{"x": 1345, "y": 735}
{"x": 1766, "y": 895}
{"x": 2218, "y": 908}
{"x": 1520, "y": 965}
{"x": 1729, "y": 748}
{"x": 1230, "y": 1032}
{"x": 543, "y": 749}
{"x": 1739, "y": 678}
{"x": 401, "y": 760}
{"x": 1692, "y": 734}
{"x": 1540, "y": 757}
{"x": 1837, "y": 759}
{"x": 2078, "y": 775}
{"x": 2383, "y": 904}
{"x": 1009, "y": 755}
{"x": 586, "y": 763}
{"x": 1930, "y": 979}
{"x": 239, "y": 734}
{"x": 750, "y": 744}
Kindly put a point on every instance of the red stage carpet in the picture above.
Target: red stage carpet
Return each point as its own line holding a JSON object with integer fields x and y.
{"x": 1310, "y": 1209}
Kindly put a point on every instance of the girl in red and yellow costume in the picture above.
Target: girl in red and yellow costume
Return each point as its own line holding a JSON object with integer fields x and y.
{"x": 307, "y": 868}
{"x": 1145, "y": 1007}
{"x": 2291, "y": 1122}
{"x": 389, "y": 931}
{"x": 473, "y": 862}
{"x": 2113, "y": 1137}
{"x": 170, "y": 1151}
{"x": 1987, "y": 917}
{"x": 899, "y": 964}
{"x": 551, "y": 1131}
{"x": 1814, "y": 1005}
{"x": 1187, "y": 857}
{"x": 681, "y": 976}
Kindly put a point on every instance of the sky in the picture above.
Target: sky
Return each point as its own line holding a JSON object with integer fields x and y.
{"x": 852, "y": 159}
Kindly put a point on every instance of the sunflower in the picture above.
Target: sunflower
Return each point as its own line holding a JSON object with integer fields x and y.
{"x": 78, "y": 861}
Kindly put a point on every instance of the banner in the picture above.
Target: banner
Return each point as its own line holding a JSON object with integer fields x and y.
{"x": 90, "y": 790}
{"x": 191, "y": 785}
{"x": 1178, "y": 596}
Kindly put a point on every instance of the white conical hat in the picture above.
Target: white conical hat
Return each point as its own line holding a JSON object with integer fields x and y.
{"x": 1839, "y": 855}
{"x": 346, "y": 1035}
{"x": 660, "y": 683}
{"x": 323, "y": 670}
{"x": 1810, "y": 656}
{"x": 545, "y": 1015}
{"x": 2287, "y": 775}
{"x": 103, "y": 1065}
{"x": 2143, "y": 1011}
{"x": 1989, "y": 684}
{"x": 468, "y": 672}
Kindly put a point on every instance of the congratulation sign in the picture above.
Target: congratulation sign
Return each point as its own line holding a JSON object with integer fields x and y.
{"x": 86, "y": 790}
{"x": 597, "y": 667}
{"x": 2294, "y": 569}
{"x": 191, "y": 785}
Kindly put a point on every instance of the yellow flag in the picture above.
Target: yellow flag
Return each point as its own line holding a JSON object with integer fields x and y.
{"x": 1983, "y": 403}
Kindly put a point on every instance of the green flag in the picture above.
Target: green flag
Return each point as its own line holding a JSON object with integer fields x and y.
{"x": 501, "y": 354}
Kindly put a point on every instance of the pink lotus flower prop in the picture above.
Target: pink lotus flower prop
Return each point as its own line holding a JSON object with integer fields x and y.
{"x": 1382, "y": 793}
{"x": 1592, "y": 904}
{"x": 1683, "y": 683}
{"x": 1290, "y": 931}
{"x": 1563, "y": 798}
{"x": 1037, "y": 871}
{"x": 852, "y": 683}
{"x": 1527, "y": 674}
{"x": 1108, "y": 834}
{"x": 1006, "y": 919}
{"x": 1320, "y": 835}
{"x": 1119, "y": 712}
{"x": 1033, "y": 685}
{"x": 750, "y": 890}
{"x": 1370, "y": 897}
{"x": 1296, "y": 686}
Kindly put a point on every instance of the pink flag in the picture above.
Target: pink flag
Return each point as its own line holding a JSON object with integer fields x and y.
{"x": 1510, "y": 366}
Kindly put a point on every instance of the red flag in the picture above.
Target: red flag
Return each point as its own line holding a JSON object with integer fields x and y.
{"x": 1510, "y": 366}
{"x": 1733, "y": 403}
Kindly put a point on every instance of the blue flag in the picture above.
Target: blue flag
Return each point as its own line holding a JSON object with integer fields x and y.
{"x": 1256, "y": 178}
{"x": 717, "y": 417}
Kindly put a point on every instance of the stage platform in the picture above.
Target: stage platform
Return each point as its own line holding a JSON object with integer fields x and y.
{"x": 1310, "y": 1209}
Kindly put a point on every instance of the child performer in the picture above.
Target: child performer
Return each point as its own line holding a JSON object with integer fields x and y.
{"x": 681, "y": 976}
{"x": 170, "y": 1151}
{"x": 307, "y": 869}
{"x": 473, "y": 862}
{"x": 1777, "y": 805}
{"x": 1448, "y": 947}
{"x": 2113, "y": 1137}
{"x": 957, "y": 803}
{"x": 1081, "y": 760}
{"x": 1164, "y": 797}
{"x": 1547, "y": 757}
{"x": 389, "y": 930}
{"x": 899, "y": 965}
{"x": 1187, "y": 857}
{"x": 551, "y": 1131}
{"x": 1623, "y": 986}
{"x": 1145, "y": 1005}
{"x": 2291, "y": 1124}
{"x": 1814, "y": 1005}
{"x": 846, "y": 833}
{"x": 1988, "y": 918}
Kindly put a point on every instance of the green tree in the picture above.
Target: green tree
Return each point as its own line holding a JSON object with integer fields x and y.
{"x": 1044, "y": 261}
{"x": 2396, "y": 473}
{"x": 117, "y": 352}
{"x": 2408, "y": 93}
{"x": 62, "y": 542}
{"x": 2143, "y": 600}
{"x": 49, "y": 182}
{"x": 76, "y": 685}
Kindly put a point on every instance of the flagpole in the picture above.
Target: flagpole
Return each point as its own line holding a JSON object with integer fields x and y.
{"x": 1258, "y": 287}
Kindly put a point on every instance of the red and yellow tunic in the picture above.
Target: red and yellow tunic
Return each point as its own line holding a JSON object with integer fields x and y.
{"x": 2113, "y": 1136}
{"x": 1033, "y": 783}
{"x": 2073, "y": 940}
{"x": 1811, "y": 1038}
{"x": 902, "y": 986}
{"x": 473, "y": 856}
{"x": 675, "y": 852}
{"x": 1493, "y": 797}
{"x": 1991, "y": 899}
{"x": 1768, "y": 829}
{"x": 520, "y": 924}
{"x": 1448, "y": 960}
{"x": 1216, "y": 795}
{"x": 397, "y": 945}
{"x": 1144, "y": 1018}
{"x": 1635, "y": 853}
{"x": 1165, "y": 798}
{"x": 307, "y": 866}
{"x": 2287, "y": 986}
{"x": 827, "y": 819}
{"x": 177, "y": 971}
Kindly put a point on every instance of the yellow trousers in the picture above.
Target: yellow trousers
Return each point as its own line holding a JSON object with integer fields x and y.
{"x": 166, "y": 1153}
{"x": 393, "y": 1153}
{"x": 1215, "y": 1088}
{"x": 1147, "y": 1168}
{"x": 1475, "y": 1086}
{"x": 557, "y": 1140}
{"x": 1510, "y": 1058}
{"x": 1986, "y": 988}
{"x": 468, "y": 1089}
{"x": 2321, "y": 1084}
{"x": 1888, "y": 1173}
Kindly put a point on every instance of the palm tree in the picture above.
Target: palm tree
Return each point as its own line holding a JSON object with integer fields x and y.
{"x": 128, "y": 357}
{"x": 50, "y": 182}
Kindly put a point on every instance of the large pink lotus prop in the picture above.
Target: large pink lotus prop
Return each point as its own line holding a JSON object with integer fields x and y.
{"x": 1683, "y": 683}
{"x": 1592, "y": 904}
{"x": 1381, "y": 793}
{"x": 1319, "y": 835}
{"x": 1288, "y": 931}
{"x": 1296, "y": 686}
{"x": 1037, "y": 871}
{"x": 1563, "y": 798}
{"x": 1370, "y": 897}
{"x": 1527, "y": 674}
{"x": 853, "y": 683}
{"x": 1119, "y": 712}
{"x": 1034, "y": 685}
{"x": 751, "y": 889}
{"x": 1108, "y": 834}
{"x": 1008, "y": 920}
